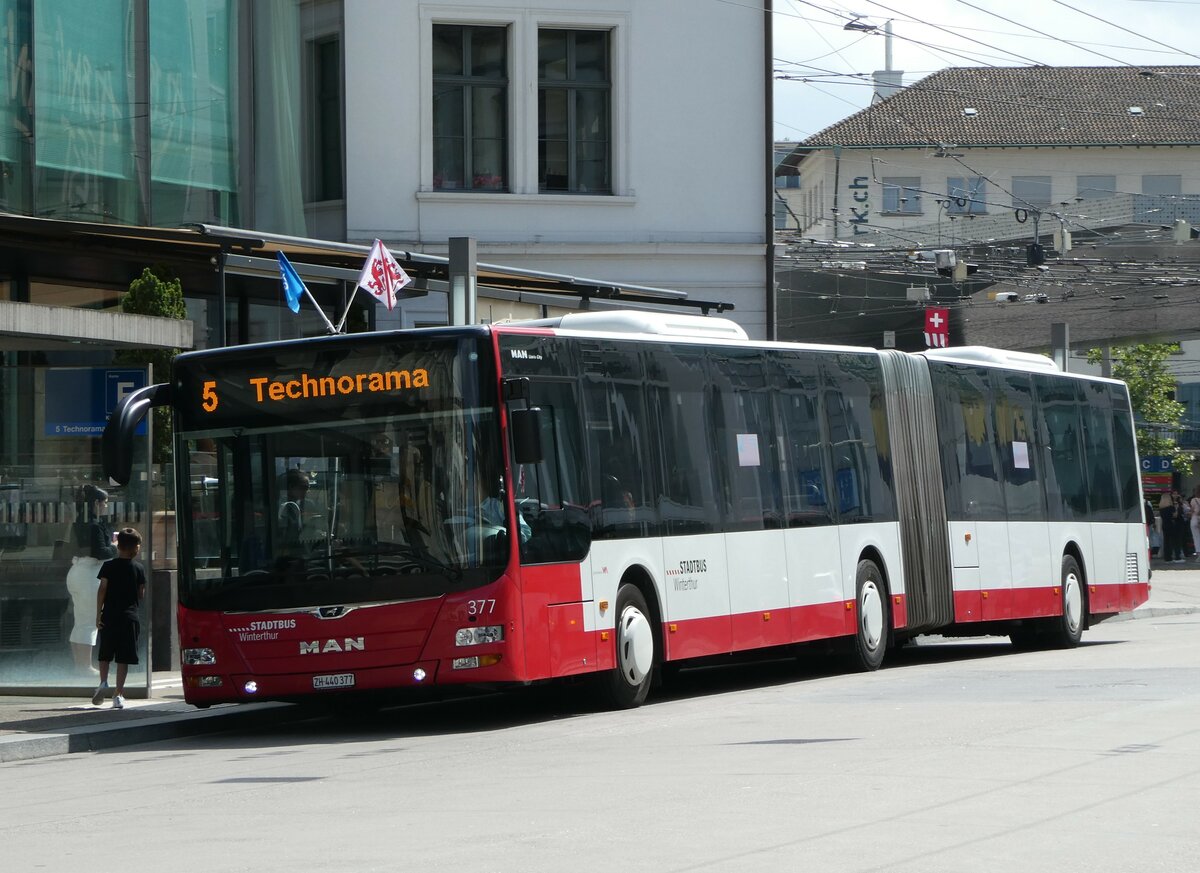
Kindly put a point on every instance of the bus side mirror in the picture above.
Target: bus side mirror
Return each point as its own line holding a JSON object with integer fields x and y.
{"x": 116, "y": 446}
{"x": 526, "y": 426}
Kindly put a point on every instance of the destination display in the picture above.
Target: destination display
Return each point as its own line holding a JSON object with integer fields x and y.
{"x": 219, "y": 390}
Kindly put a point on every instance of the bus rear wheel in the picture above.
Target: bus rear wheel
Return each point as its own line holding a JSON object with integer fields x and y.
{"x": 871, "y": 626}
{"x": 627, "y": 686}
{"x": 1068, "y": 627}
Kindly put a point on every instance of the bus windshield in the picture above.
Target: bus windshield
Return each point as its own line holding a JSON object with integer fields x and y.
{"x": 347, "y": 496}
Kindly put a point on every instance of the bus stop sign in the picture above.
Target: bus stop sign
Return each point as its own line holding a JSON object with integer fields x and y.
{"x": 80, "y": 399}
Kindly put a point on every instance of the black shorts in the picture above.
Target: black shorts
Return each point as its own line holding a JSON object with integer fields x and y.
{"x": 119, "y": 641}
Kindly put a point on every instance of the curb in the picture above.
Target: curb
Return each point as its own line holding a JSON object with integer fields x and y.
{"x": 95, "y": 738}
{"x": 1144, "y": 612}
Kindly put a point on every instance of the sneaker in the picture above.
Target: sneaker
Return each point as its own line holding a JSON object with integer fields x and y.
{"x": 101, "y": 693}
{"x": 118, "y": 702}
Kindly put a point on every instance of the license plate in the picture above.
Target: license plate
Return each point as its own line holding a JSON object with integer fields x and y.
{"x": 334, "y": 680}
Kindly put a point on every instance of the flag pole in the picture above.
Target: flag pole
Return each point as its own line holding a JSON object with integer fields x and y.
{"x": 346, "y": 313}
{"x": 321, "y": 312}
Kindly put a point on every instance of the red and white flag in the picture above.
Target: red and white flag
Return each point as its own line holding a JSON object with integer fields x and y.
{"x": 382, "y": 277}
{"x": 937, "y": 327}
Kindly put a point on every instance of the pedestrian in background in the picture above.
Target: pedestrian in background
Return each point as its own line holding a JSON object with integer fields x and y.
{"x": 1171, "y": 552}
{"x": 91, "y": 537}
{"x": 1194, "y": 520}
{"x": 122, "y": 586}
{"x": 1182, "y": 515}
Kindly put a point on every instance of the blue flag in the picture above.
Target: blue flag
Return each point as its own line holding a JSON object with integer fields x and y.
{"x": 293, "y": 285}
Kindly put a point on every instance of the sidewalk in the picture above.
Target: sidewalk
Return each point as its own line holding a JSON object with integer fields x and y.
{"x": 35, "y": 727}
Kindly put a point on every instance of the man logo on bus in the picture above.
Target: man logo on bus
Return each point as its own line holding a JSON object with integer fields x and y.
{"x": 349, "y": 644}
{"x": 524, "y": 355}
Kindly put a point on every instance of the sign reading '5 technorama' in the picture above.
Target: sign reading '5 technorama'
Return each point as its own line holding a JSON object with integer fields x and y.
{"x": 359, "y": 378}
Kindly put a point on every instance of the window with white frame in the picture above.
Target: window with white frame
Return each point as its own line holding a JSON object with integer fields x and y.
{"x": 1031, "y": 192}
{"x": 902, "y": 195}
{"x": 967, "y": 195}
{"x": 574, "y": 111}
{"x": 470, "y": 108}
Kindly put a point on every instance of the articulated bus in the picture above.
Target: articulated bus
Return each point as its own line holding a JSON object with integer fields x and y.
{"x": 614, "y": 493}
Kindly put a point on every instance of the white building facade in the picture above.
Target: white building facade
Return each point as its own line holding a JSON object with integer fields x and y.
{"x": 975, "y": 155}
{"x": 566, "y": 137}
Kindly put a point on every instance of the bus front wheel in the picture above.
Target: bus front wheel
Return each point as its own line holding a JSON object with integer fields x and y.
{"x": 871, "y": 625}
{"x": 627, "y": 686}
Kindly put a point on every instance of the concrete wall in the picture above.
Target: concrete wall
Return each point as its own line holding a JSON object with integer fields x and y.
{"x": 688, "y": 210}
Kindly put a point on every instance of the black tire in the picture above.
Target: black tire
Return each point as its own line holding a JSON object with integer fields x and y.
{"x": 626, "y": 686}
{"x": 871, "y": 617}
{"x": 1067, "y": 629}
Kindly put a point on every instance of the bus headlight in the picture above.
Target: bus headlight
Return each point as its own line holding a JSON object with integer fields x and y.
{"x": 199, "y": 657}
{"x": 473, "y": 636}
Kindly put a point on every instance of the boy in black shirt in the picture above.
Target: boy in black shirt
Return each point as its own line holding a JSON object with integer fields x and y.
{"x": 122, "y": 585}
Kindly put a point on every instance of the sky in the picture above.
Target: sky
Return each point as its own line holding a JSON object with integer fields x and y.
{"x": 828, "y": 68}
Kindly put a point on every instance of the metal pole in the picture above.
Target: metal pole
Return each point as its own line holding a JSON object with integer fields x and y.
{"x": 221, "y": 338}
{"x": 769, "y": 128}
{"x": 463, "y": 277}
{"x": 1060, "y": 344}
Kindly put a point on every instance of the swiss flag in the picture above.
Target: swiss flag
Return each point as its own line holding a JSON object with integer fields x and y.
{"x": 937, "y": 327}
{"x": 382, "y": 277}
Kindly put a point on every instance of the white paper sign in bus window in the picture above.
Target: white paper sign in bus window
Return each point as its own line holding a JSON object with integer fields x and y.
{"x": 1020, "y": 455}
{"x": 747, "y": 444}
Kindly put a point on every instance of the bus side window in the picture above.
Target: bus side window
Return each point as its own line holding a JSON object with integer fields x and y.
{"x": 806, "y": 490}
{"x": 858, "y": 437}
{"x": 745, "y": 431}
{"x": 1125, "y": 447}
{"x": 687, "y": 499}
{"x": 1066, "y": 480}
{"x": 1104, "y": 496}
{"x": 618, "y": 440}
{"x": 966, "y": 434}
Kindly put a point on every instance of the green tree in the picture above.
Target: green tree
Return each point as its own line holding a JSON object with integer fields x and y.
{"x": 156, "y": 292}
{"x": 1143, "y": 368}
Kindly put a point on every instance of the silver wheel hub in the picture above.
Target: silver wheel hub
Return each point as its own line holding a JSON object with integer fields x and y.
{"x": 635, "y": 645}
{"x": 870, "y": 615}
{"x": 1072, "y": 602}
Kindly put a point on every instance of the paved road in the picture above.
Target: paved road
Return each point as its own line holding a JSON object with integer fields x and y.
{"x": 958, "y": 757}
{"x": 61, "y": 722}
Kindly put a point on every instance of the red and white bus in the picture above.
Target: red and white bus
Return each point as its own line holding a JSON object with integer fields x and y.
{"x": 607, "y": 493}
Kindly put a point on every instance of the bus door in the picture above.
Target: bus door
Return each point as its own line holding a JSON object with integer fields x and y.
{"x": 747, "y": 464}
{"x": 550, "y": 498}
{"x": 1020, "y": 460}
{"x": 811, "y": 537}
{"x": 979, "y": 539}
{"x": 695, "y": 580}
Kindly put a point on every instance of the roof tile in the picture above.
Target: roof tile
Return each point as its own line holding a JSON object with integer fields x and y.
{"x": 1034, "y": 106}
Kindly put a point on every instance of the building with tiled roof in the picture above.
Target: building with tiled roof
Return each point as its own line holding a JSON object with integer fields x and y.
{"x": 1079, "y": 148}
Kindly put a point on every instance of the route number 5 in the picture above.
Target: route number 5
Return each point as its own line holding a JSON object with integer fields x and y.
{"x": 210, "y": 397}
